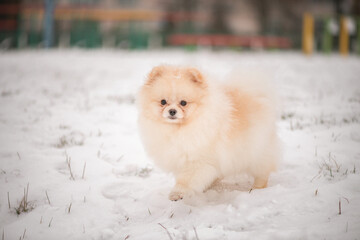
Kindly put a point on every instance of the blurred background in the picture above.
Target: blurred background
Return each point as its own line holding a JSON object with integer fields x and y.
{"x": 313, "y": 25}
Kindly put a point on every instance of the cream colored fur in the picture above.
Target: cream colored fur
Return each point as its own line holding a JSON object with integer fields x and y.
{"x": 225, "y": 129}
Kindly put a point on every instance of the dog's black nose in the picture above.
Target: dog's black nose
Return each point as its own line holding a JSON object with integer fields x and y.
{"x": 172, "y": 112}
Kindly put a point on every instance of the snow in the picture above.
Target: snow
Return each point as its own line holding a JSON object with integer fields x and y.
{"x": 79, "y": 105}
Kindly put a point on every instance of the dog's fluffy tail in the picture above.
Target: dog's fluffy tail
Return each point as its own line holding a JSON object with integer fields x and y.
{"x": 256, "y": 83}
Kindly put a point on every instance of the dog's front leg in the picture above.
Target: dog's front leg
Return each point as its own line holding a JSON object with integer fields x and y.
{"x": 193, "y": 177}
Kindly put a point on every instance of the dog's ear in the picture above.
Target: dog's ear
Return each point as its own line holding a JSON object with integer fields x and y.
{"x": 196, "y": 76}
{"x": 154, "y": 74}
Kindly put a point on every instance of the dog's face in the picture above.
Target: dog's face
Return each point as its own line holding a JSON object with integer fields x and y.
{"x": 173, "y": 95}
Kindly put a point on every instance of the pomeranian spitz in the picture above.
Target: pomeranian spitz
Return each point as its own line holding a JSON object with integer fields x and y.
{"x": 202, "y": 131}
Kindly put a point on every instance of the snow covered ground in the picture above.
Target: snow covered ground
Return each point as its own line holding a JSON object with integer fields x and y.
{"x": 76, "y": 108}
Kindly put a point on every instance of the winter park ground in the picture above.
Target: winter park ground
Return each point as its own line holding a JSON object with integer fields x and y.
{"x": 68, "y": 136}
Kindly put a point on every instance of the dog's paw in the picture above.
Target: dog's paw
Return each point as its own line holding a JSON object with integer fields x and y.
{"x": 179, "y": 192}
{"x": 176, "y": 195}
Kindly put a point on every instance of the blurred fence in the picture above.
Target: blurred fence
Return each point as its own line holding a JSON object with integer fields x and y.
{"x": 91, "y": 27}
{"x": 331, "y": 34}
{"x": 88, "y": 26}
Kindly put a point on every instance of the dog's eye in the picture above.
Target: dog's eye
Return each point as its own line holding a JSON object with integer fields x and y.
{"x": 163, "y": 102}
{"x": 183, "y": 103}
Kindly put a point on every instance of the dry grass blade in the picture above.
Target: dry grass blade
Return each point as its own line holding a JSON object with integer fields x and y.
{"x": 18, "y": 155}
{"x": 24, "y": 199}
{"x": 68, "y": 161}
{"x": 47, "y": 196}
{"x": 83, "y": 173}
{"x": 23, "y": 237}
{"x": 339, "y": 206}
{"x": 69, "y": 209}
{"x": 346, "y": 199}
{"x": 8, "y": 194}
{"x": 336, "y": 164}
{"x": 24, "y": 204}
{"x": 166, "y": 231}
{"x": 26, "y": 196}
{"x": 50, "y": 222}
{"x": 196, "y": 235}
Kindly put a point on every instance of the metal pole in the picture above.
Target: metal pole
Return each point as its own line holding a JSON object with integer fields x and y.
{"x": 344, "y": 37}
{"x": 308, "y": 34}
{"x": 49, "y": 23}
